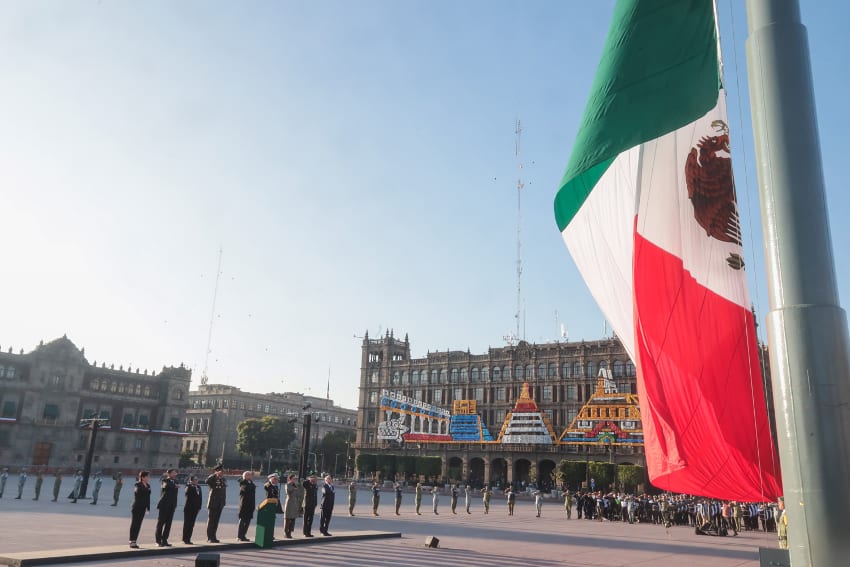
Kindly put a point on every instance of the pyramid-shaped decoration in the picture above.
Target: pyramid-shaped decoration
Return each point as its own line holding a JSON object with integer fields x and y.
{"x": 608, "y": 418}
{"x": 526, "y": 423}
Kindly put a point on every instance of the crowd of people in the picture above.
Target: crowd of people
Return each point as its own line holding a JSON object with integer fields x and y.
{"x": 296, "y": 498}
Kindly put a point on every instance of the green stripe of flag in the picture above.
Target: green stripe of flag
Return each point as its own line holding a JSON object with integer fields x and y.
{"x": 659, "y": 71}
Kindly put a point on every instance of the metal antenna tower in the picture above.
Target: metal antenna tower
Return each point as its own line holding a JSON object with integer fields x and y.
{"x": 519, "y": 186}
{"x": 212, "y": 318}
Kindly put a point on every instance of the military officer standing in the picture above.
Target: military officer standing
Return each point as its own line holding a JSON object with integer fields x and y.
{"x": 486, "y": 494}
{"x": 57, "y": 485}
{"x": 4, "y": 476}
{"x": 166, "y": 506}
{"x": 291, "y": 507}
{"x": 116, "y": 492}
{"x": 216, "y": 500}
{"x": 39, "y": 480}
{"x": 96, "y": 492}
{"x": 352, "y": 497}
{"x": 191, "y": 507}
{"x": 397, "y": 499}
{"x": 311, "y": 490}
{"x": 418, "y": 498}
{"x": 376, "y": 497}
{"x": 22, "y": 479}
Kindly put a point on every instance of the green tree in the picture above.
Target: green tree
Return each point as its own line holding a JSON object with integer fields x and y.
{"x": 602, "y": 473}
{"x": 186, "y": 459}
{"x": 366, "y": 463}
{"x": 575, "y": 472}
{"x": 256, "y": 436}
{"x": 630, "y": 476}
{"x": 334, "y": 445}
{"x": 428, "y": 466}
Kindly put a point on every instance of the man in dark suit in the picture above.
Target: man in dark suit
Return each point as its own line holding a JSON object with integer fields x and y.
{"x": 327, "y": 505}
{"x": 166, "y": 506}
{"x": 247, "y": 501}
{"x": 310, "y": 497}
{"x": 191, "y": 507}
{"x": 215, "y": 501}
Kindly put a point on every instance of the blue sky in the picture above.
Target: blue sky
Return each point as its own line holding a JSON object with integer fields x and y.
{"x": 354, "y": 160}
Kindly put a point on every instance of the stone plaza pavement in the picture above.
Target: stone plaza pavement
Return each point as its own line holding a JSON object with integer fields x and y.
{"x": 465, "y": 539}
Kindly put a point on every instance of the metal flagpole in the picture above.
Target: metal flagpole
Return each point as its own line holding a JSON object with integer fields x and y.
{"x": 807, "y": 329}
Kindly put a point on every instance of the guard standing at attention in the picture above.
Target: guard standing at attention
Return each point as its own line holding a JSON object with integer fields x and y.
{"x": 311, "y": 490}
{"x": 166, "y": 506}
{"x": 191, "y": 507}
{"x": 418, "y": 498}
{"x": 216, "y": 500}
{"x": 352, "y": 497}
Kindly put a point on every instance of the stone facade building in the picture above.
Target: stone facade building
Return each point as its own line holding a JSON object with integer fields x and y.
{"x": 561, "y": 378}
{"x": 44, "y": 395}
{"x": 216, "y": 410}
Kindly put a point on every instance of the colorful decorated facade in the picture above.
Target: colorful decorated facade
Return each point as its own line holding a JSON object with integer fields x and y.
{"x": 504, "y": 415}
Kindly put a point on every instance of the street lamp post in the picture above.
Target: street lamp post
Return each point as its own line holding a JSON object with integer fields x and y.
{"x": 92, "y": 424}
{"x": 306, "y": 423}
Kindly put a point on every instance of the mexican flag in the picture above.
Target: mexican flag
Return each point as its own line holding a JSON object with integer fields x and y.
{"x": 647, "y": 209}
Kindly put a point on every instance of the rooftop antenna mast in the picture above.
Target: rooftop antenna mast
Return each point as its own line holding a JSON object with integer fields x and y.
{"x": 512, "y": 337}
{"x": 204, "y": 377}
{"x": 519, "y": 186}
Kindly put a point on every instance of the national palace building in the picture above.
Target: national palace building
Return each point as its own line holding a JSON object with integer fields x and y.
{"x": 492, "y": 417}
{"x": 45, "y": 393}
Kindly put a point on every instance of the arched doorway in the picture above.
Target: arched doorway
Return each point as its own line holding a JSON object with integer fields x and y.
{"x": 455, "y": 471}
{"x": 544, "y": 475}
{"x": 476, "y": 472}
{"x": 521, "y": 477}
{"x": 498, "y": 472}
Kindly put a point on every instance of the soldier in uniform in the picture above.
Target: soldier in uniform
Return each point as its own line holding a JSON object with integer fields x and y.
{"x": 57, "y": 485}
{"x": 78, "y": 484}
{"x": 568, "y": 504}
{"x": 272, "y": 488}
{"x": 782, "y": 524}
{"x": 191, "y": 507}
{"x": 418, "y": 498}
{"x": 216, "y": 499}
{"x": 467, "y": 499}
{"x": 376, "y": 497}
{"x": 310, "y": 501}
{"x": 4, "y": 476}
{"x": 454, "y": 499}
{"x": 435, "y": 496}
{"x": 397, "y": 499}
{"x": 511, "y": 498}
{"x": 39, "y": 480}
{"x": 247, "y": 501}
{"x": 291, "y": 506}
{"x": 486, "y": 494}
{"x": 116, "y": 492}
{"x": 96, "y": 492}
{"x": 166, "y": 506}
{"x": 22, "y": 479}
{"x": 352, "y": 497}
{"x": 538, "y": 501}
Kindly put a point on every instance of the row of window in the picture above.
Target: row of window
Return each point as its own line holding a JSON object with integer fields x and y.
{"x": 219, "y": 403}
{"x": 8, "y": 372}
{"x": 590, "y": 369}
{"x": 115, "y": 387}
{"x": 439, "y": 396}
